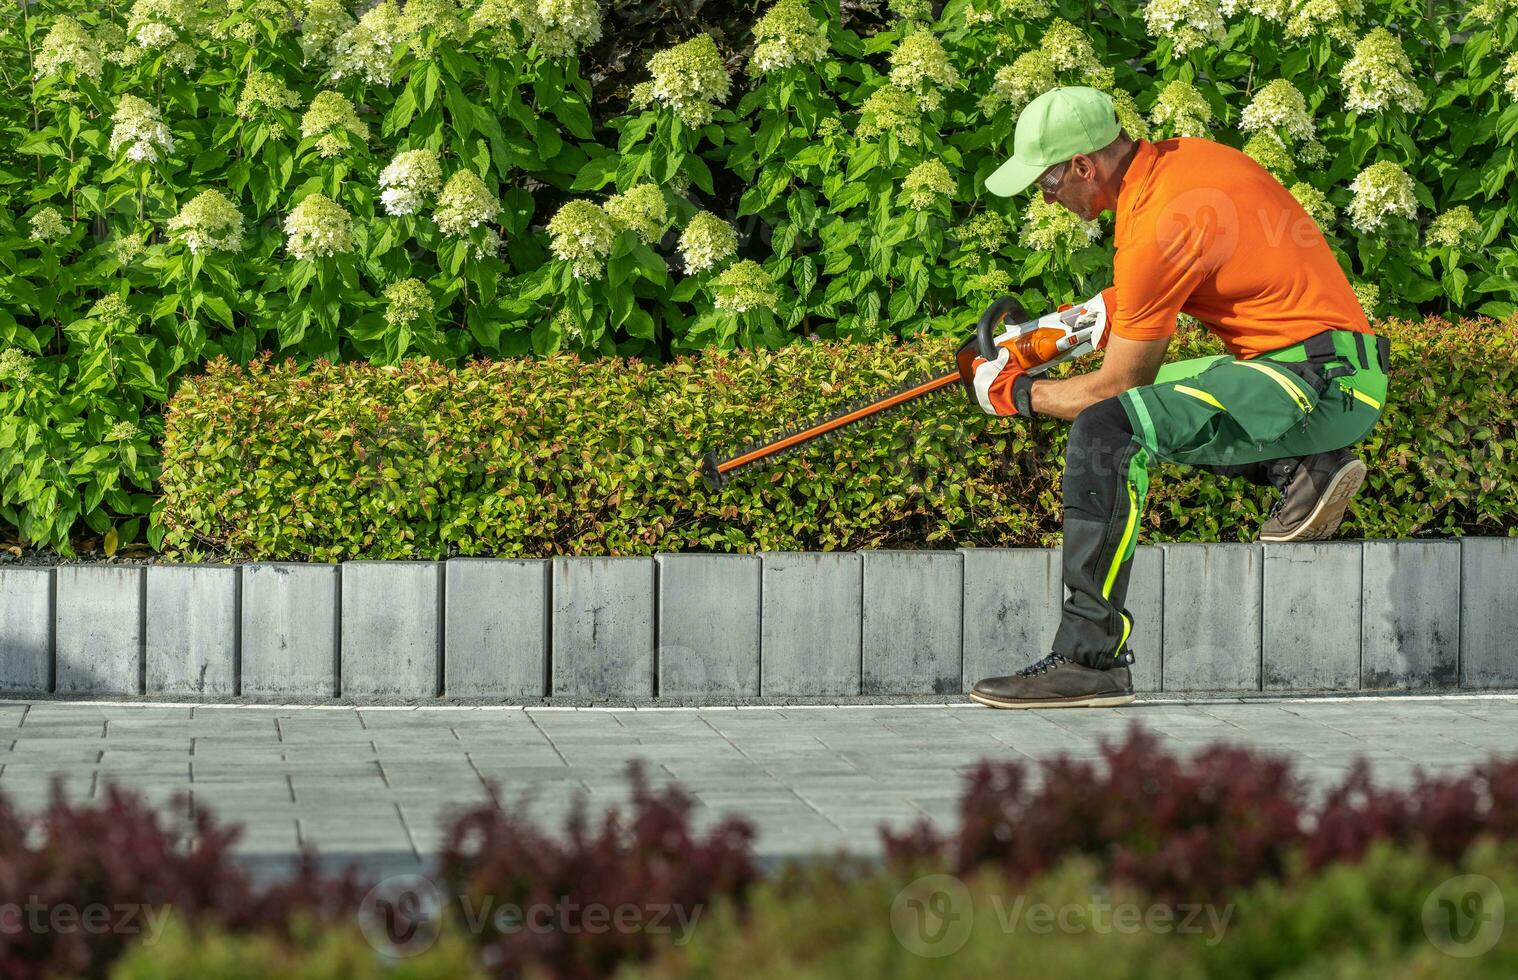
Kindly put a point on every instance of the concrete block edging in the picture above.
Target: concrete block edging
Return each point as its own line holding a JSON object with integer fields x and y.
{"x": 1323, "y": 616}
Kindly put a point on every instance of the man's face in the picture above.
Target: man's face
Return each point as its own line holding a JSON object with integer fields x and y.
{"x": 1074, "y": 188}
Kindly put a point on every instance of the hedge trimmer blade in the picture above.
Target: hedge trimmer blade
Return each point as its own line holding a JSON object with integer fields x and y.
{"x": 716, "y": 472}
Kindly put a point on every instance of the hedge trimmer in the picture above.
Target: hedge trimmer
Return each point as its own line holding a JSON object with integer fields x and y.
{"x": 1036, "y": 345}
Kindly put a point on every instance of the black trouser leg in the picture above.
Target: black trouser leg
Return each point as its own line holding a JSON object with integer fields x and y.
{"x": 1105, "y": 483}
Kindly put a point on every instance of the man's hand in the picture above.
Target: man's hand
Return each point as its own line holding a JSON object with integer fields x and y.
{"x": 1001, "y": 387}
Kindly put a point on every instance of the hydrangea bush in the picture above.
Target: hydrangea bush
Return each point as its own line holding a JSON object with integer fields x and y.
{"x": 362, "y": 181}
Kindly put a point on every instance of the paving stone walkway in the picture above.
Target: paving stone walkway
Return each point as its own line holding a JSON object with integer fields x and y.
{"x": 372, "y": 784}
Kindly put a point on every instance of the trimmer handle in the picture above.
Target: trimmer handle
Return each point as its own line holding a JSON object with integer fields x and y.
{"x": 996, "y": 313}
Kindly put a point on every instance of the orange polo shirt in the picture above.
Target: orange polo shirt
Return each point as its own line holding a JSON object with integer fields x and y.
{"x": 1203, "y": 229}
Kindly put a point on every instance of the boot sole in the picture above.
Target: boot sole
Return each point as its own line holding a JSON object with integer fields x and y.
{"x": 1326, "y": 517}
{"x": 1098, "y": 701}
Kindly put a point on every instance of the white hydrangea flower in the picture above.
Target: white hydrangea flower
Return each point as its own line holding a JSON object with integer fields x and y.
{"x": 365, "y": 50}
{"x": 642, "y": 210}
{"x": 264, "y": 92}
{"x": 1128, "y": 114}
{"x": 15, "y": 364}
{"x": 986, "y": 232}
{"x": 318, "y": 228}
{"x": 1378, "y": 76}
{"x": 1190, "y": 24}
{"x": 1337, "y": 19}
{"x": 1456, "y": 228}
{"x": 567, "y": 27}
{"x": 112, "y": 310}
{"x": 927, "y": 182}
{"x": 1272, "y": 10}
{"x": 208, "y": 223}
{"x": 1026, "y": 9}
{"x": 322, "y": 23}
{"x": 153, "y": 35}
{"x": 1180, "y": 110}
{"x": 407, "y": 301}
{"x": 1381, "y": 189}
{"x": 114, "y": 46}
{"x": 787, "y": 36}
{"x": 911, "y": 9}
{"x": 1491, "y": 12}
{"x": 920, "y": 65}
{"x": 331, "y": 118}
{"x": 582, "y": 234}
{"x": 1017, "y": 84}
{"x": 745, "y": 286}
{"x": 993, "y": 283}
{"x": 497, "y": 22}
{"x": 1047, "y": 227}
{"x": 68, "y": 45}
{"x": 975, "y": 17}
{"x": 464, "y": 204}
{"x": 889, "y": 110}
{"x": 1268, "y": 150}
{"x": 137, "y": 126}
{"x": 443, "y": 18}
{"x": 1278, "y": 107}
{"x": 1069, "y": 49}
{"x": 690, "y": 79}
{"x": 47, "y": 225}
{"x": 1369, "y": 297}
{"x": 489, "y": 245}
{"x": 1315, "y": 203}
{"x": 570, "y": 331}
{"x": 1510, "y": 70}
{"x": 409, "y": 180}
{"x": 707, "y": 241}
{"x": 125, "y": 248}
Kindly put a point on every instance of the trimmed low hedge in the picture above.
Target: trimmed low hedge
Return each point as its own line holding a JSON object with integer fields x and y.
{"x": 559, "y": 456}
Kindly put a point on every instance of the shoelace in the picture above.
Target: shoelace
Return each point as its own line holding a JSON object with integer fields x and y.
{"x": 1048, "y": 663}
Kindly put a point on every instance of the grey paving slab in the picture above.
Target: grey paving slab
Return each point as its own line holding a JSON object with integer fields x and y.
{"x": 1212, "y": 625}
{"x": 26, "y": 629}
{"x": 1311, "y": 616}
{"x": 913, "y": 622}
{"x": 1410, "y": 623}
{"x": 391, "y": 629}
{"x": 289, "y": 630}
{"x": 1488, "y": 614}
{"x": 811, "y": 630}
{"x": 191, "y": 626}
{"x": 497, "y": 628}
{"x": 98, "y": 629}
{"x": 709, "y": 625}
{"x": 603, "y": 627}
{"x": 1012, "y": 603}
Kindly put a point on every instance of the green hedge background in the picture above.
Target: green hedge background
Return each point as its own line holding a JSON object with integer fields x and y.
{"x": 555, "y": 456}
{"x": 517, "y": 178}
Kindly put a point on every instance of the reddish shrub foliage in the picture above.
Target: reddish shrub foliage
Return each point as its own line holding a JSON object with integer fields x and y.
{"x": 652, "y": 863}
{"x": 1199, "y": 827}
{"x": 78, "y": 882}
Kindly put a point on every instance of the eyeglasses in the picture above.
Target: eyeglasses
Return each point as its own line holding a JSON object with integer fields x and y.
{"x": 1050, "y": 180}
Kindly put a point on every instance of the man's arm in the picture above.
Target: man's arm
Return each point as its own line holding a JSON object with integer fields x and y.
{"x": 1127, "y": 364}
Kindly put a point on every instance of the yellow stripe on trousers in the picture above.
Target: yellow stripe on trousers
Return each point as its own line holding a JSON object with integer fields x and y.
{"x": 1280, "y": 379}
{"x": 1117, "y": 562}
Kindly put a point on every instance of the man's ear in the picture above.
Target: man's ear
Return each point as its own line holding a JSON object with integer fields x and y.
{"x": 1084, "y": 166}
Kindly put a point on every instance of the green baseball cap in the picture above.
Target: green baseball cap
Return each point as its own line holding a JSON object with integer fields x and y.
{"x": 1052, "y": 129}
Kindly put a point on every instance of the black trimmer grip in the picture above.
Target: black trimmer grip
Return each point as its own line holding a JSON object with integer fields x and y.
{"x": 714, "y": 479}
{"x": 996, "y": 313}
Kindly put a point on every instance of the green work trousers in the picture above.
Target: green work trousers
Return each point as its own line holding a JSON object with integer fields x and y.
{"x": 1220, "y": 413}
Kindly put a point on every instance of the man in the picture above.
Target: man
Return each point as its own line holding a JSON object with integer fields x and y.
{"x": 1200, "y": 228}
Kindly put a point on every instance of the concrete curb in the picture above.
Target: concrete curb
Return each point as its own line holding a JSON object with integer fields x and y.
{"x": 1331, "y": 617}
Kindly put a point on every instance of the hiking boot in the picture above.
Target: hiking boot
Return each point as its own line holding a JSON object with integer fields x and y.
{"x": 1055, "y": 682}
{"x": 1314, "y": 495}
